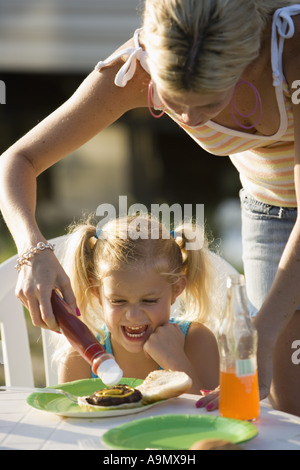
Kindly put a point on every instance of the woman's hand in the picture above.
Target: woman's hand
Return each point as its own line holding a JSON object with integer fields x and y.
{"x": 35, "y": 284}
{"x": 166, "y": 346}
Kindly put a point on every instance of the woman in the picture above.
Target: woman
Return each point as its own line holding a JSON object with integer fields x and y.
{"x": 224, "y": 70}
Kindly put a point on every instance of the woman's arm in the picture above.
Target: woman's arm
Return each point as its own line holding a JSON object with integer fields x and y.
{"x": 284, "y": 296}
{"x": 95, "y": 105}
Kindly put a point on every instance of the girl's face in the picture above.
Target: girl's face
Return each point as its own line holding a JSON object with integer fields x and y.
{"x": 135, "y": 303}
{"x": 194, "y": 109}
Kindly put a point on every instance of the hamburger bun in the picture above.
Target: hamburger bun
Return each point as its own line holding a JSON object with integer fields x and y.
{"x": 215, "y": 444}
{"x": 158, "y": 385}
{"x": 163, "y": 384}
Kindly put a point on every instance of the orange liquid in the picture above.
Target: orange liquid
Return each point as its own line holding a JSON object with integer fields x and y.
{"x": 239, "y": 396}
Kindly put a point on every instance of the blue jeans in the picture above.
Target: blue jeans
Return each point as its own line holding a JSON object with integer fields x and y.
{"x": 265, "y": 232}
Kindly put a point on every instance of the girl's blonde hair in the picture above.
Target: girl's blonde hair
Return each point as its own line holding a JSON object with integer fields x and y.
{"x": 89, "y": 260}
{"x": 204, "y": 45}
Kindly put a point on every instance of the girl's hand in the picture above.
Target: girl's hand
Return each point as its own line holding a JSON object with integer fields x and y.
{"x": 35, "y": 284}
{"x": 209, "y": 399}
{"x": 166, "y": 346}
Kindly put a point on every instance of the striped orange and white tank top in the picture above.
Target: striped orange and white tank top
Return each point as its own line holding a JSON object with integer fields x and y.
{"x": 265, "y": 163}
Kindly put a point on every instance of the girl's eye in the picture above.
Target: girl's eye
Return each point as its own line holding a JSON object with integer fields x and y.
{"x": 150, "y": 301}
{"x": 117, "y": 302}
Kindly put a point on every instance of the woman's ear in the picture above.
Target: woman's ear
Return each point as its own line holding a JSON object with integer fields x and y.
{"x": 178, "y": 288}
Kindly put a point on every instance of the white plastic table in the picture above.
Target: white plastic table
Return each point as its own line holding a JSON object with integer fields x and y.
{"x": 23, "y": 427}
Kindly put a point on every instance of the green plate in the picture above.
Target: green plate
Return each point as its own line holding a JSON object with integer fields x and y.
{"x": 179, "y": 432}
{"x": 64, "y": 407}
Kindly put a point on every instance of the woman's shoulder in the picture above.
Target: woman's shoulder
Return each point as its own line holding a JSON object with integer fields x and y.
{"x": 127, "y": 62}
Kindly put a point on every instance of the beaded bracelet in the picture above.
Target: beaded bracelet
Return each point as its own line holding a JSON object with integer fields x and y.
{"x": 41, "y": 246}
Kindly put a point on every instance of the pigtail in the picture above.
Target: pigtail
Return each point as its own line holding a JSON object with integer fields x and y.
{"x": 78, "y": 262}
{"x": 200, "y": 296}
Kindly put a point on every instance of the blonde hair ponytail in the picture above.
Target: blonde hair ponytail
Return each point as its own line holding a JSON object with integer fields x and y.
{"x": 200, "y": 296}
{"x": 78, "y": 262}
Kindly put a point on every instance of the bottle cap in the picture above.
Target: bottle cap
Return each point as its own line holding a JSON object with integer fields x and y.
{"x": 109, "y": 372}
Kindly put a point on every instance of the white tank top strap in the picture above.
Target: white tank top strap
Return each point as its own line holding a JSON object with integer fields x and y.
{"x": 127, "y": 70}
{"x": 284, "y": 27}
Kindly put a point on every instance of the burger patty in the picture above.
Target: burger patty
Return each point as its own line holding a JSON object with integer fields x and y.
{"x": 116, "y": 395}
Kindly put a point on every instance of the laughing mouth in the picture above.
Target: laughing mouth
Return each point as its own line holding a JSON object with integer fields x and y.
{"x": 135, "y": 331}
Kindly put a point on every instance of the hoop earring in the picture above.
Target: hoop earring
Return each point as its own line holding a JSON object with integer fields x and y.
{"x": 233, "y": 106}
{"x": 151, "y": 102}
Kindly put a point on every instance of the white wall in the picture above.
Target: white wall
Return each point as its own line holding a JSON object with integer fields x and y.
{"x": 63, "y": 35}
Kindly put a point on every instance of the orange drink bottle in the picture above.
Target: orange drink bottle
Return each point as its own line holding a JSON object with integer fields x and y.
{"x": 237, "y": 339}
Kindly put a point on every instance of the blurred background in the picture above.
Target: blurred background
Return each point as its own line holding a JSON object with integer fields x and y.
{"x": 47, "y": 48}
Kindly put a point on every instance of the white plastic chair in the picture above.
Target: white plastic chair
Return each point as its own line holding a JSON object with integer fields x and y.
{"x": 15, "y": 343}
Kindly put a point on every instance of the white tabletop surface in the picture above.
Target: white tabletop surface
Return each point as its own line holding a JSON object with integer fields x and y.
{"x": 23, "y": 427}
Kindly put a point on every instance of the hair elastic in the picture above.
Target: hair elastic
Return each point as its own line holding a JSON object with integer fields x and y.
{"x": 93, "y": 240}
{"x": 98, "y": 232}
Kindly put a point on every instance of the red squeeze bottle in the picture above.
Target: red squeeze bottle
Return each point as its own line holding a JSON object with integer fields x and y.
{"x": 83, "y": 340}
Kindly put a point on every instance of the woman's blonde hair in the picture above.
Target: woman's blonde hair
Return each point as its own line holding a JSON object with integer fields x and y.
{"x": 204, "y": 45}
{"x": 88, "y": 260}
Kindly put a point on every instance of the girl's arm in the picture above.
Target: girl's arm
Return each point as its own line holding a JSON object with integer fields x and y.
{"x": 196, "y": 354}
{"x": 96, "y": 104}
{"x": 202, "y": 351}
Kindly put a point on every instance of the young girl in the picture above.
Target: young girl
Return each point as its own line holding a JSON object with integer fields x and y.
{"x": 125, "y": 288}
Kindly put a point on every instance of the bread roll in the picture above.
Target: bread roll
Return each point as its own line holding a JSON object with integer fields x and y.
{"x": 215, "y": 444}
{"x": 163, "y": 384}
